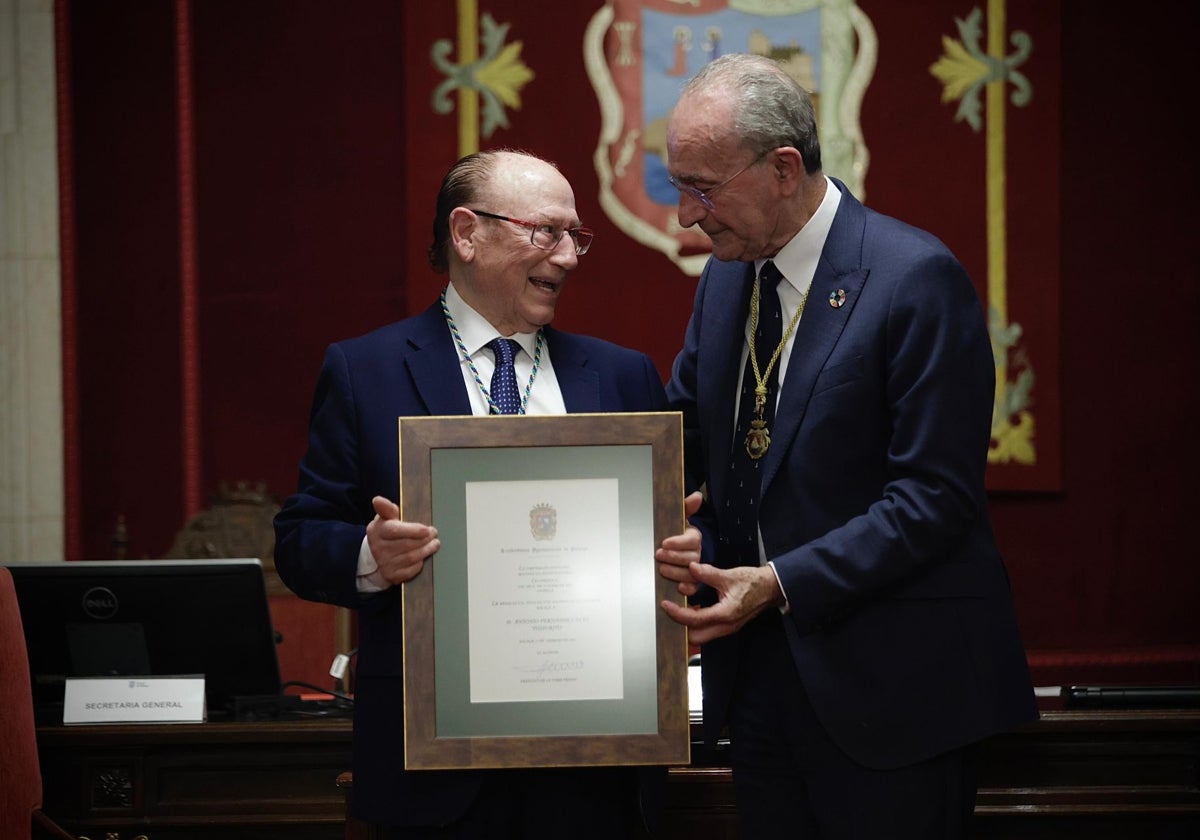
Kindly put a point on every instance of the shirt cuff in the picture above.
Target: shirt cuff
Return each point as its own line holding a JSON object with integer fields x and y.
{"x": 787, "y": 607}
{"x": 369, "y": 577}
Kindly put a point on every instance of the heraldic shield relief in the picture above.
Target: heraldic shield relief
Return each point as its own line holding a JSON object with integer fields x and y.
{"x": 639, "y": 54}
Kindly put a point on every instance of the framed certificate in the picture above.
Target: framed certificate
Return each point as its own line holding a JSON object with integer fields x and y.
{"x": 534, "y": 637}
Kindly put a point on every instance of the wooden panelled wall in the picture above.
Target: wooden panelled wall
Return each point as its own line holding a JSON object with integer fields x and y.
{"x": 233, "y": 214}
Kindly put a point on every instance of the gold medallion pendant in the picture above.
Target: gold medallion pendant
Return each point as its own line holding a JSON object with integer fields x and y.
{"x": 758, "y": 439}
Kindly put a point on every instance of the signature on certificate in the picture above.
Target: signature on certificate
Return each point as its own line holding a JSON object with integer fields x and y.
{"x": 548, "y": 667}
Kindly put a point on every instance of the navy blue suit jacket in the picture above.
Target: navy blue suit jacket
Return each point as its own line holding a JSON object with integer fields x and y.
{"x": 410, "y": 368}
{"x": 873, "y": 505}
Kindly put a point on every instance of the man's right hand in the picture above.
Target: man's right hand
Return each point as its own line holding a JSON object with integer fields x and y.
{"x": 399, "y": 548}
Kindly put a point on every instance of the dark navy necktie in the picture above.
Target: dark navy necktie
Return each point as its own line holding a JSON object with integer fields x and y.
{"x": 745, "y": 473}
{"x": 504, "y": 378}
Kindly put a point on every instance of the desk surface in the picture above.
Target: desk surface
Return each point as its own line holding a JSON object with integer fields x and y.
{"x": 334, "y": 728}
{"x": 316, "y": 730}
{"x": 1110, "y": 773}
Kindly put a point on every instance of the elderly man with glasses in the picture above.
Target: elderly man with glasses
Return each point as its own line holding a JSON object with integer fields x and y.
{"x": 857, "y": 632}
{"x": 507, "y": 233}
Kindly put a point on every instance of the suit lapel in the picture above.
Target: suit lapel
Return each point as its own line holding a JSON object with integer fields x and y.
{"x": 579, "y": 384}
{"x": 839, "y": 272}
{"x": 721, "y": 354}
{"x": 433, "y": 364}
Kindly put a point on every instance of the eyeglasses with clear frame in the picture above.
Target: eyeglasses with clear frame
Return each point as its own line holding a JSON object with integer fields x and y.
{"x": 705, "y": 196}
{"x": 546, "y": 236}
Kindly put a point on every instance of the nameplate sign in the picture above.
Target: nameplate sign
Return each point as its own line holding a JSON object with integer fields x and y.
{"x": 134, "y": 700}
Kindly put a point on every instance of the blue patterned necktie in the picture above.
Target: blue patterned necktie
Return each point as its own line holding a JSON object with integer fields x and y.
{"x": 504, "y": 378}
{"x": 745, "y": 473}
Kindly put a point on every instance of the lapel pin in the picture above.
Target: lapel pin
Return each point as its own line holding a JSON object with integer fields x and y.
{"x": 836, "y": 299}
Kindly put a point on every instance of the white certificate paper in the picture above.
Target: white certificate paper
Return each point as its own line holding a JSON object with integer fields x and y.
{"x": 543, "y": 590}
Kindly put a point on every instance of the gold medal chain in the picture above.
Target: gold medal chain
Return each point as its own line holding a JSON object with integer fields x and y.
{"x": 758, "y": 438}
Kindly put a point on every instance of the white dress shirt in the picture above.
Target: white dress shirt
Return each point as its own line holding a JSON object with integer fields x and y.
{"x": 545, "y": 397}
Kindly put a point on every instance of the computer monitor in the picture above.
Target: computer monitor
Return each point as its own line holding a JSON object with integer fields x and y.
{"x": 148, "y": 618}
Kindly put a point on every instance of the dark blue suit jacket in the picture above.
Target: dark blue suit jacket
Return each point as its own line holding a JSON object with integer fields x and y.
{"x": 410, "y": 368}
{"x": 873, "y": 504}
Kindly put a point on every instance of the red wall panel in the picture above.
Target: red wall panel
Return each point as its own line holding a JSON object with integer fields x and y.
{"x": 299, "y": 137}
{"x": 1105, "y": 572}
{"x": 127, "y": 282}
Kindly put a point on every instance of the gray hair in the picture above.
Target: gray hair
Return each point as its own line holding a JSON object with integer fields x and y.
{"x": 770, "y": 109}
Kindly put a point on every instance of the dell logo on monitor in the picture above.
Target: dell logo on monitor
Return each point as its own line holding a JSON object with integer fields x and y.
{"x": 100, "y": 602}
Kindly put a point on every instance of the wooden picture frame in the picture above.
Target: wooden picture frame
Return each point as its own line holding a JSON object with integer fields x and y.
{"x": 535, "y": 636}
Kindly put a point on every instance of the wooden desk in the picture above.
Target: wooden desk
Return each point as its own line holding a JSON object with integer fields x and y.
{"x": 1099, "y": 774}
{"x": 1102, "y": 775}
{"x": 243, "y": 781}
{"x": 1096, "y": 774}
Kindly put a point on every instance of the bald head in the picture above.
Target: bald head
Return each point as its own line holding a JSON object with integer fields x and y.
{"x": 467, "y": 183}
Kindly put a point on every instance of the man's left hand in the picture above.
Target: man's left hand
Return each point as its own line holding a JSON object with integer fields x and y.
{"x": 743, "y": 592}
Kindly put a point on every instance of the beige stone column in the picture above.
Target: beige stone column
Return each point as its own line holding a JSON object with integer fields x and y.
{"x": 31, "y": 404}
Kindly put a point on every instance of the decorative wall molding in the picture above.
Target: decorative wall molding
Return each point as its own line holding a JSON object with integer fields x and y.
{"x": 639, "y": 54}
